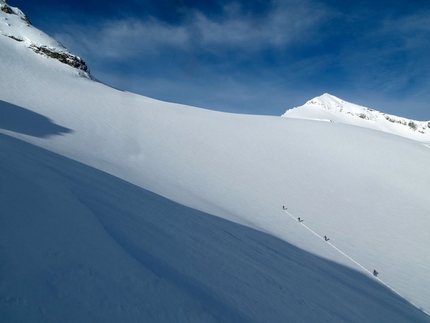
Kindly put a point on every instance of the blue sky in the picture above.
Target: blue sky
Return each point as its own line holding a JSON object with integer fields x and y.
{"x": 252, "y": 56}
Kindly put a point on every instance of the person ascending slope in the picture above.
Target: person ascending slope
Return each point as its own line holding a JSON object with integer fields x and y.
{"x": 375, "y": 273}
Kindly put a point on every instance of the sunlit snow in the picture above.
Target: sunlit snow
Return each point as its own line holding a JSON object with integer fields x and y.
{"x": 215, "y": 242}
{"x": 330, "y": 108}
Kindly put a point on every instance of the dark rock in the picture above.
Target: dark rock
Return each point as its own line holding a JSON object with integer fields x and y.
{"x": 15, "y": 38}
{"x": 25, "y": 18}
{"x": 63, "y": 57}
{"x": 6, "y": 8}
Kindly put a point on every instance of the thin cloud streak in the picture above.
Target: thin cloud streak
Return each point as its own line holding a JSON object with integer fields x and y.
{"x": 124, "y": 39}
{"x": 132, "y": 37}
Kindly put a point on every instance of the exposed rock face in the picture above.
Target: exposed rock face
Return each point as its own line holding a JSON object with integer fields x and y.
{"x": 5, "y": 8}
{"x": 63, "y": 57}
{"x": 18, "y": 27}
{"x": 15, "y": 38}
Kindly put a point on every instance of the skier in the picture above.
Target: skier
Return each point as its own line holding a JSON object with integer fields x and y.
{"x": 375, "y": 273}
{"x": 326, "y": 238}
{"x": 299, "y": 219}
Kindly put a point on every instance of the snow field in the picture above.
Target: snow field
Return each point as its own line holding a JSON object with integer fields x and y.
{"x": 79, "y": 245}
{"x": 365, "y": 189}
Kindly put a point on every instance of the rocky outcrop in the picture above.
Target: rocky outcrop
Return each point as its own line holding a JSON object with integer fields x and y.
{"x": 415, "y": 126}
{"x": 5, "y": 8}
{"x": 14, "y": 38}
{"x": 15, "y": 29}
{"x": 63, "y": 57}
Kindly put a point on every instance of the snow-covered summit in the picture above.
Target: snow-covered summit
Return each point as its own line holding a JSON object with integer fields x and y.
{"x": 15, "y": 25}
{"x": 327, "y": 107}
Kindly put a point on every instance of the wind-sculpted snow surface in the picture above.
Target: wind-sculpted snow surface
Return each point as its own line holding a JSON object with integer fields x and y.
{"x": 79, "y": 245}
{"x": 368, "y": 190}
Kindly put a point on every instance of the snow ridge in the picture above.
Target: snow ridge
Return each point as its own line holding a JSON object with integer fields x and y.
{"x": 328, "y": 107}
{"x": 16, "y": 25}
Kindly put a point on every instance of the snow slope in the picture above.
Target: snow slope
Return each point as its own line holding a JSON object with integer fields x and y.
{"x": 15, "y": 24}
{"x": 78, "y": 245}
{"x": 368, "y": 191}
{"x": 330, "y": 108}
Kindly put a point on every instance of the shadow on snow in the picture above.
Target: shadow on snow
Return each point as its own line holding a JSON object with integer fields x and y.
{"x": 20, "y": 120}
{"x": 77, "y": 243}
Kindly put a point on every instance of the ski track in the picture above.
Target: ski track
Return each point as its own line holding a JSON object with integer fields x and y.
{"x": 354, "y": 261}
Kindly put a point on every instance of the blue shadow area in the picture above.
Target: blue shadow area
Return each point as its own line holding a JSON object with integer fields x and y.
{"x": 20, "y": 120}
{"x": 80, "y": 245}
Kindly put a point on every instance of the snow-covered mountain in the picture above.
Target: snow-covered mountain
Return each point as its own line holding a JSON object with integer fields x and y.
{"x": 16, "y": 25}
{"x": 330, "y": 108}
{"x": 190, "y": 227}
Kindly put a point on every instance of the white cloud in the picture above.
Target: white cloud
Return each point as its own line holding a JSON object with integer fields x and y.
{"x": 125, "y": 38}
{"x": 284, "y": 24}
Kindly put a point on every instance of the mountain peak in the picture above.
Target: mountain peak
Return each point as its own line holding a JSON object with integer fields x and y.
{"x": 16, "y": 25}
{"x": 14, "y": 11}
{"x": 332, "y": 103}
{"x": 325, "y": 98}
{"x": 327, "y": 107}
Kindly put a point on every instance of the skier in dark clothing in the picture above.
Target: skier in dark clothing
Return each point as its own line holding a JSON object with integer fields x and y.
{"x": 375, "y": 273}
{"x": 326, "y": 238}
{"x": 299, "y": 220}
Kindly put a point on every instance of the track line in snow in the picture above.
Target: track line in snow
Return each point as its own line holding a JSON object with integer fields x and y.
{"x": 355, "y": 262}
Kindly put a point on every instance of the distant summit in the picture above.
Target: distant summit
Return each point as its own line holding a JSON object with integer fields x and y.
{"x": 329, "y": 108}
{"x": 16, "y": 25}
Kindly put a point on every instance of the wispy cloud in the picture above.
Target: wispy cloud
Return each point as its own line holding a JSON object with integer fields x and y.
{"x": 292, "y": 48}
{"x": 124, "y": 39}
{"x": 285, "y": 23}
